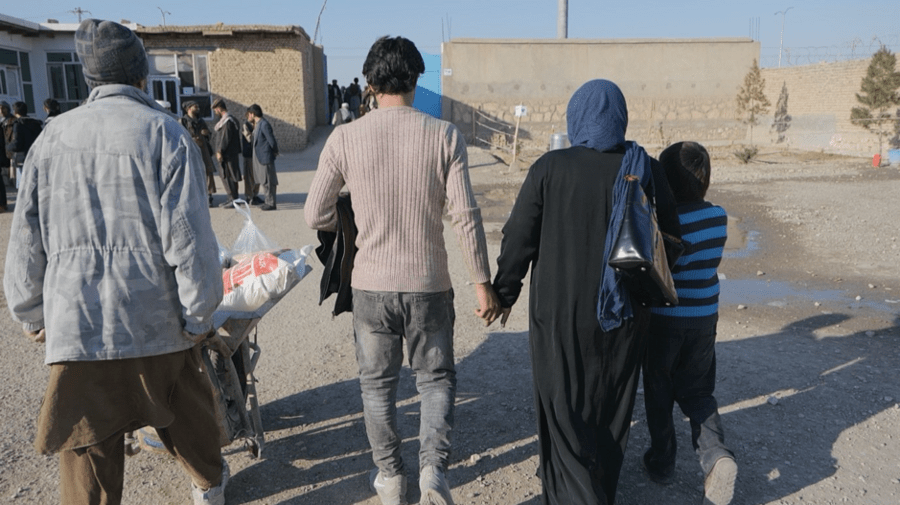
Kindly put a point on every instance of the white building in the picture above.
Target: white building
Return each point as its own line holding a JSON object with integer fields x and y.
{"x": 38, "y": 61}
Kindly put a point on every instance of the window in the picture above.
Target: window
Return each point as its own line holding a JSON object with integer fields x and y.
{"x": 66, "y": 80}
{"x": 186, "y": 72}
{"x": 27, "y": 86}
{"x": 9, "y": 84}
{"x": 14, "y": 69}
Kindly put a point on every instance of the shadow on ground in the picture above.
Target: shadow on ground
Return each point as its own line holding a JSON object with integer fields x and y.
{"x": 824, "y": 386}
{"x": 494, "y": 419}
{"x": 820, "y": 386}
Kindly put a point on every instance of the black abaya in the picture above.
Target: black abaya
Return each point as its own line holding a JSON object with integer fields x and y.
{"x": 585, "y": 379}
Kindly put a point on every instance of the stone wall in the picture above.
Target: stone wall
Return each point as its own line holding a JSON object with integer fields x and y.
{"x": 277, "y": 71}
{"x": 819, "y": 100}
{"x": 676, "y": 89}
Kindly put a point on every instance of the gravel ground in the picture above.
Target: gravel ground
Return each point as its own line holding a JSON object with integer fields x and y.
{"x": 807, "y": 359}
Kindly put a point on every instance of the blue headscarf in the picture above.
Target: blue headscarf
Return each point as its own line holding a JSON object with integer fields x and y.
{"x": 597, "y": 118}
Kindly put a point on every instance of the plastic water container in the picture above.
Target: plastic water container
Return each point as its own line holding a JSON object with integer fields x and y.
{"x": 894, "y": 157}
{"x": 559, "y": 141}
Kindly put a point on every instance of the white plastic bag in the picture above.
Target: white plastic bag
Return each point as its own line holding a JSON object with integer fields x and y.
{"x": 261, "y": 277}
{"x": 224, "y": 255}
{"x": 251, "y": 239}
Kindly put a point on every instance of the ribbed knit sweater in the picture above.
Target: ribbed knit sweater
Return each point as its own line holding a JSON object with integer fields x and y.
{"x": 704, "y": 228}
{"x": 400, "y": 166}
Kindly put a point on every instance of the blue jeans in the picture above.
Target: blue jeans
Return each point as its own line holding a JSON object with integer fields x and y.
{"x": 680, "y": 367}
{"x": 380, "y": 322}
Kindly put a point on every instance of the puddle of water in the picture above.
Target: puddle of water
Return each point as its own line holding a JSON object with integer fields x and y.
{"x": 743, "y": 244}
{"x": 496, "y": 202}
{"x": 740, "y": 243}
{"x": 782, "y": 294}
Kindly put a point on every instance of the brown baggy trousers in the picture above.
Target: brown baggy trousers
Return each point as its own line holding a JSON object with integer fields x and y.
{"x": 90, "y": 405}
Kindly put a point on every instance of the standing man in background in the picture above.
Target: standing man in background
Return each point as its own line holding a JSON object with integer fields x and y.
{"x": 335, "y": 98}
{"x": 196, "y": 126}
{"x": 52, "y": 109}
{"x": 265, "y": 150}
{"x": 228, "y": 150}
{"x": 354, "y": 97}
{"x": 113, "y": 262}
{"x": 251, "y": 187}
{"x": 25, "y": 131}
{"x": 6, "y": 118}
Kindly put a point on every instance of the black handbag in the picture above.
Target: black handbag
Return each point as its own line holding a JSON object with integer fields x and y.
{"x": 639, "y": 252}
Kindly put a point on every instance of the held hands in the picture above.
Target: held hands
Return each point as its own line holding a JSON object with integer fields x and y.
{"x": 488, "y": 304}
{"x": 219, "y": 156}
{"x": 504, "y": 315}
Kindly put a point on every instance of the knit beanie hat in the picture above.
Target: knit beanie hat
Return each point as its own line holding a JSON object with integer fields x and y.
{"x": 110, "y": 53}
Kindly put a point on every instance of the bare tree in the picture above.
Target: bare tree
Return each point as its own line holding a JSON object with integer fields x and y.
{"x": 751, "y": 99}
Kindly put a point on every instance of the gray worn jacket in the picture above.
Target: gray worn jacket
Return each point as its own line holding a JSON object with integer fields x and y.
{"x": 111, "y": 247}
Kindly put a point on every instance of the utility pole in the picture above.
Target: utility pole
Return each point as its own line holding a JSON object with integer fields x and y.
{"x": 163, "y": 15}
{"x": 781, "y": 43}
{"x": 79, "y": 11}
{"x": 562, "y": 20}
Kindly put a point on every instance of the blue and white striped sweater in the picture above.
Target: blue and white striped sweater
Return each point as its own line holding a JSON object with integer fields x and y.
{"x": 703, "y": 227}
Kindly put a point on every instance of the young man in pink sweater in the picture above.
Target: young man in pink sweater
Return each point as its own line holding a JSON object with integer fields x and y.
{"x": 401, "y": 165}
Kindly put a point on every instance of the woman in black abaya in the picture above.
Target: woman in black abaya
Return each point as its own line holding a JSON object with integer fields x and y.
{"x": 586, "y": 335}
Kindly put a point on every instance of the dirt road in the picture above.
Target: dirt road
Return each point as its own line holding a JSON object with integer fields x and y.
{"x": 808, "y": 360}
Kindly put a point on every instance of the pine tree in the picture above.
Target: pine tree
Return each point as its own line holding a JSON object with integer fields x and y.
{"x": 879, "y": 97}
{"x": 751, "y": 99}
{"x": 782, "y": 119}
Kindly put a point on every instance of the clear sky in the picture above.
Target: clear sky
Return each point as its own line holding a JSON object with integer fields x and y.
{"x": 813, "y": 29}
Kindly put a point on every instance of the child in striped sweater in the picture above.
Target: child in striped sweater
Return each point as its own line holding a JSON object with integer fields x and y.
{"x": 680, "y": 363}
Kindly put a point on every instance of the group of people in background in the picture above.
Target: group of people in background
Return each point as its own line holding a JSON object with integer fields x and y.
{"x": 125, "y": 300}
{"x": 243, "y": 151}
{"x": 347, "y": 104}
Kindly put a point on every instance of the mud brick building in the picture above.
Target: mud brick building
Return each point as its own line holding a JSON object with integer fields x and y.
{"x": 276, "y": 67}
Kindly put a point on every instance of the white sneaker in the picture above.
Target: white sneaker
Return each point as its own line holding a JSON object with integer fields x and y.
{"x": 215, "y": 495}
{"x": 391, "y": 490}
{"x": 718, "y": 489}
{"x": 434, "y": 487}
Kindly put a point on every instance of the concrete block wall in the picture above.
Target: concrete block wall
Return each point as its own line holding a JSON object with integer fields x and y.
{"x": 275, "y": 70}
{"x": 820, "y": 98}
{"x": 652, "y": 123}
{"x": 668, "y": 100}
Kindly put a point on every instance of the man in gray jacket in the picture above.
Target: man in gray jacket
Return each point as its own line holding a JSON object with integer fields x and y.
{"x": 112, "y": 260}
